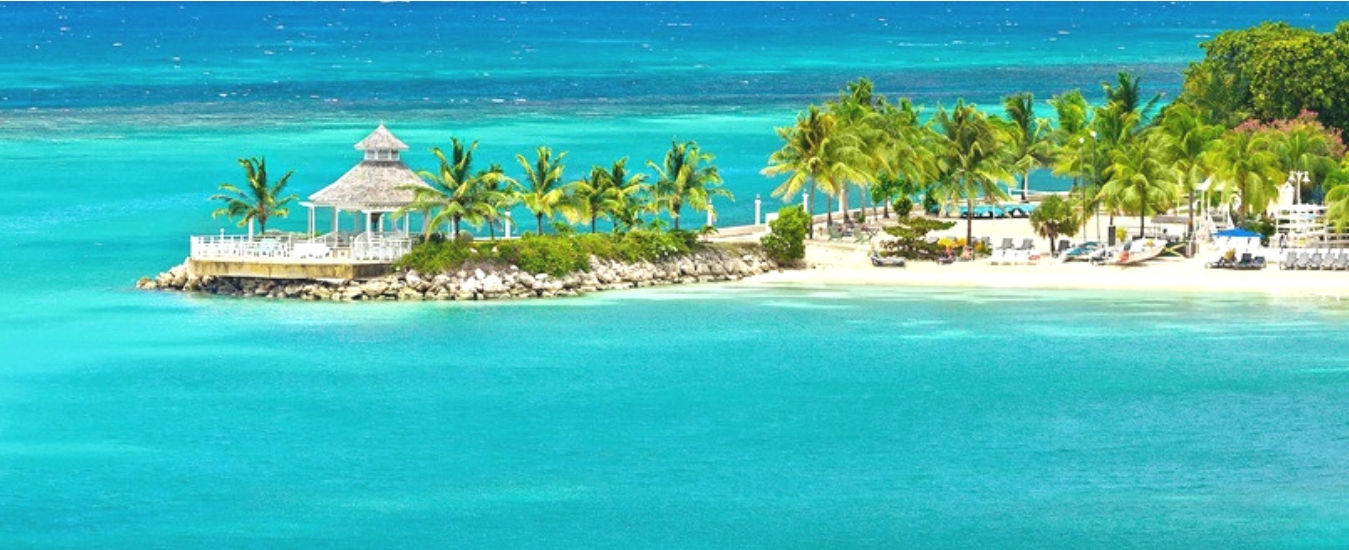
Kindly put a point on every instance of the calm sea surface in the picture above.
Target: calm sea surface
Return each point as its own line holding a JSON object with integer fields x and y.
{"x": 720, "y": 416}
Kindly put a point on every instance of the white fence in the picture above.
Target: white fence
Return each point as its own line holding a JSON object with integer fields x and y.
{"x": 368, "y": 247}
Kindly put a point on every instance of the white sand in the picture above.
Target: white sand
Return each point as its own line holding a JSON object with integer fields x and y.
{"x": 845, "y": 263}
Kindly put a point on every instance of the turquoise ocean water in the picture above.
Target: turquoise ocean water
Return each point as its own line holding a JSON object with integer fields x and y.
{"x": 720, "y": 416}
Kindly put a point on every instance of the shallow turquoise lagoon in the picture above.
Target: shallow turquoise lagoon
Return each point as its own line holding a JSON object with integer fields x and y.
{"x": 715, "y": 416}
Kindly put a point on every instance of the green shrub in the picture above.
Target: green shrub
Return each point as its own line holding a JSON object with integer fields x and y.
{"x": 861, "y": 216}
{"x": 785, "y": 242}
{"x": 553, "y": 254}
{"x": 911, "y": 239}
{"x": 902, "y": 206}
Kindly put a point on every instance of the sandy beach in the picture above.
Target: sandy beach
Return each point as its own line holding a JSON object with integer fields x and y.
{"x": 846, "y": 263}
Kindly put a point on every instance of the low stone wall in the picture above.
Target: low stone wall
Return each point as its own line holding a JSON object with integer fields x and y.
{"x": 482, "y": 283}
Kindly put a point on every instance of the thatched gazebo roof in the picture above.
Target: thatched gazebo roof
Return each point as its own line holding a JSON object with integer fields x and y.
{"x": 381, "y": 140}
{"x": 380, "y": 181}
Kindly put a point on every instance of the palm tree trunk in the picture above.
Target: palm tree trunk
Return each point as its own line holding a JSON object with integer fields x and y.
{"x": 492, "y": 229}
{"x": 828, "y": 210}
{"x": 885, "y": 208}
{"x": 539, "y": 218}
{"x": 456, "y": 226}
{"x": 811, "y": 207}
{"x": 1190, "y": 208}
{"x": 592, "y": 225}
{"x": 969, "y": 220}
{"x": 1025, "y": 185}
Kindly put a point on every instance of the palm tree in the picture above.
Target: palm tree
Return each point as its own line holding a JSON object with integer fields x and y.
{"x": 1029, "y": 137}
{"x": 632, "y": 198}
{"x": 498, "y": 195}
{"x": 260, "y": 202}
{"x": 815, "y": 150}
{"x": 1053, "y": 217}
{"x": 1127, "y": 94}
{"x": 596, "y": 196}
{"x": 907, "y": 158}
{"x": 973, "y": 157}
{"x": 1141, "y": 181}
{"x": 546, "y": 195}
{"x": 681, "y": 181}
{"x": 451, "y": 191}
{"x": 1246, "y": 167}
{"x": 857, "y": 111}
{"x": 1186, "y": 144}
{"x": 1072, "y": 150}
{"x": 1304, "y": 148}
{"x": 1337, "y": 211}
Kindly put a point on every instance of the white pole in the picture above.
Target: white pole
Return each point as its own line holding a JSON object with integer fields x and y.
{"x": 311, "y": 222}
{"x": 367, "y": 222}
{"x": 758, "y": 209}
{"x": 250, "y": 229}
{"x": 710, "y": 215}
{"x": 335, "y": 219}
{"x": 506, "y": 224}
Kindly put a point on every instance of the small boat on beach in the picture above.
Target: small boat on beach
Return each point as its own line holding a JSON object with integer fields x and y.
{"x": 1140, "y": 250}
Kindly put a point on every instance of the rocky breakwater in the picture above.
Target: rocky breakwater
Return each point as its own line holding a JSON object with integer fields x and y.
{"x": 485, "y": 282}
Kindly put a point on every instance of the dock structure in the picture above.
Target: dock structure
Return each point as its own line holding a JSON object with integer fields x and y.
{"x": 373, "y": 192}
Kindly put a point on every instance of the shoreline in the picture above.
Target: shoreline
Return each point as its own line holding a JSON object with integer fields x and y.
{"x": 847, "y": 265}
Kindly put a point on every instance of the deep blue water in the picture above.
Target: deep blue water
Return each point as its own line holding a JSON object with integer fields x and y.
{"x": 719, "y": 417}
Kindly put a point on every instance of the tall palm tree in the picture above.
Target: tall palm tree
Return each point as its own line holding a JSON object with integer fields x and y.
{"x": 907, "y": 159}
{"x": 973, "y": 157}
{"x": 1141, "y": 181}
{"x": 858, "y": 111}
{"x": 1246, "y": 167}
{"x": 260, "y": 202}
{"x": 1031, "y": 147}
{"x": 682, "y": 180}
{"x": 545, "y": 195}
{"x": 1186, "y": 144}
{"x": 1072, "y": 150}
{"x": 815, "y": 151}
{"x": 451, "y": 191}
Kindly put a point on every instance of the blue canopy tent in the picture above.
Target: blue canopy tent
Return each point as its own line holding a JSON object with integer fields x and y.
{"x": 1237, "y": 232}
{"x": 1237, "y": 239}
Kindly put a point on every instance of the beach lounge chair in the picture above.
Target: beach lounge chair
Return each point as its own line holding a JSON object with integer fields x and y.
{"x": 1027, "y": 244}
{"x": 1258, "y": 262}
{"x": 1064, "y": 245}
{"x": 1246, "y": 261}
{"x": 1332, "y": 258}
{"x": 886, "y": 261}
{"x": 1006, "y": 244}
{"x": 1313, "y": 262}
{"x": 1342, "y": 262}
{"x": 1289, "y": 259}
{"x": 835, "y": 233}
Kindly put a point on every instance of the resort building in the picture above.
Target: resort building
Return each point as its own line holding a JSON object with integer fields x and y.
{"x": 370, "y": 193}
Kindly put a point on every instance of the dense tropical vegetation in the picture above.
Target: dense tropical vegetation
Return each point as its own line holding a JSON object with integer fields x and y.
{"x": 1227, "y": 144}
{"x": 631, "y": 203}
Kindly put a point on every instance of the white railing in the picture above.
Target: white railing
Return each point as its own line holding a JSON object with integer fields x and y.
{"x": 239, "y": 246}
{"x": 383, "y": 247}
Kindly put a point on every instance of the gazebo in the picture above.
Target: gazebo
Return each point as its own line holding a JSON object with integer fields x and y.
{"x": 380, "y": 184}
